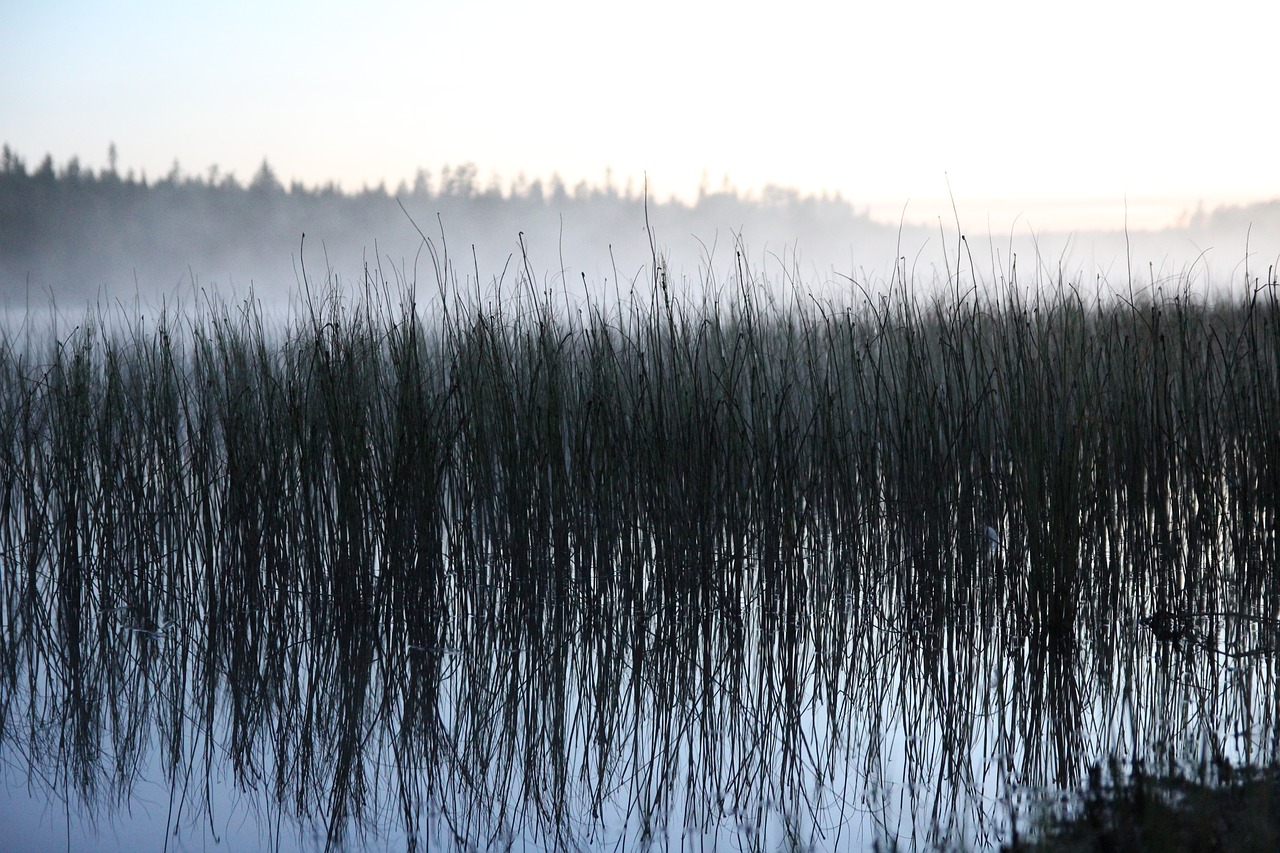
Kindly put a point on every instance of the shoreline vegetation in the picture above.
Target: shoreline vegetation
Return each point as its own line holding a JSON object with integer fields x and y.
{"x": 467, "y": 565}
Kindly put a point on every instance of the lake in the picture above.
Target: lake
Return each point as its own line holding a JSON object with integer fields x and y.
{"x": 669, "y": 576}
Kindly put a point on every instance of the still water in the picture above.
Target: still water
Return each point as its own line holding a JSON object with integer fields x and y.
{"x": 766, "y": 695}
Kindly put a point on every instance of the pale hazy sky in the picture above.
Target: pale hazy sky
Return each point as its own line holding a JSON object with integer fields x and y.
{"x": 1014, "y": 103}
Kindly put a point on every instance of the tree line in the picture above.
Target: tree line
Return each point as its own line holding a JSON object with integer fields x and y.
{"x": 69, "y": 227}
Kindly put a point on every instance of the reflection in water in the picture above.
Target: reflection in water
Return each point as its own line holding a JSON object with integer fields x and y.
{"x": 644, "y": 580}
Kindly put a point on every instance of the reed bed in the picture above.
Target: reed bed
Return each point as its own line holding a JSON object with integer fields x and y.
{"x": 491, "y": 568}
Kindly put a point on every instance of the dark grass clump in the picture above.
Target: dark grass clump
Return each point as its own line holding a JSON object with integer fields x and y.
{"x": 1232, "y": 810}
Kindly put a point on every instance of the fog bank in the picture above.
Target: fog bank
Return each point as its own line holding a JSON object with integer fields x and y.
{"x": 77, "y": 237}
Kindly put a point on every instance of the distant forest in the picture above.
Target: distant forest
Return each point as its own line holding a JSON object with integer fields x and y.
{"x": 68, "y": 231}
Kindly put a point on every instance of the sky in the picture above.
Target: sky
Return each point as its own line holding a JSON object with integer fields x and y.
{"x": 1078, "y": 114}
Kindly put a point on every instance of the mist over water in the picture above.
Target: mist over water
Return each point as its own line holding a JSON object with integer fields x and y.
{"x": 75, "y": 237}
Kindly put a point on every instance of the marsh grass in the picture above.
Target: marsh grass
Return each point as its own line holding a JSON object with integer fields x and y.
{"x": 493, "y": 568}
